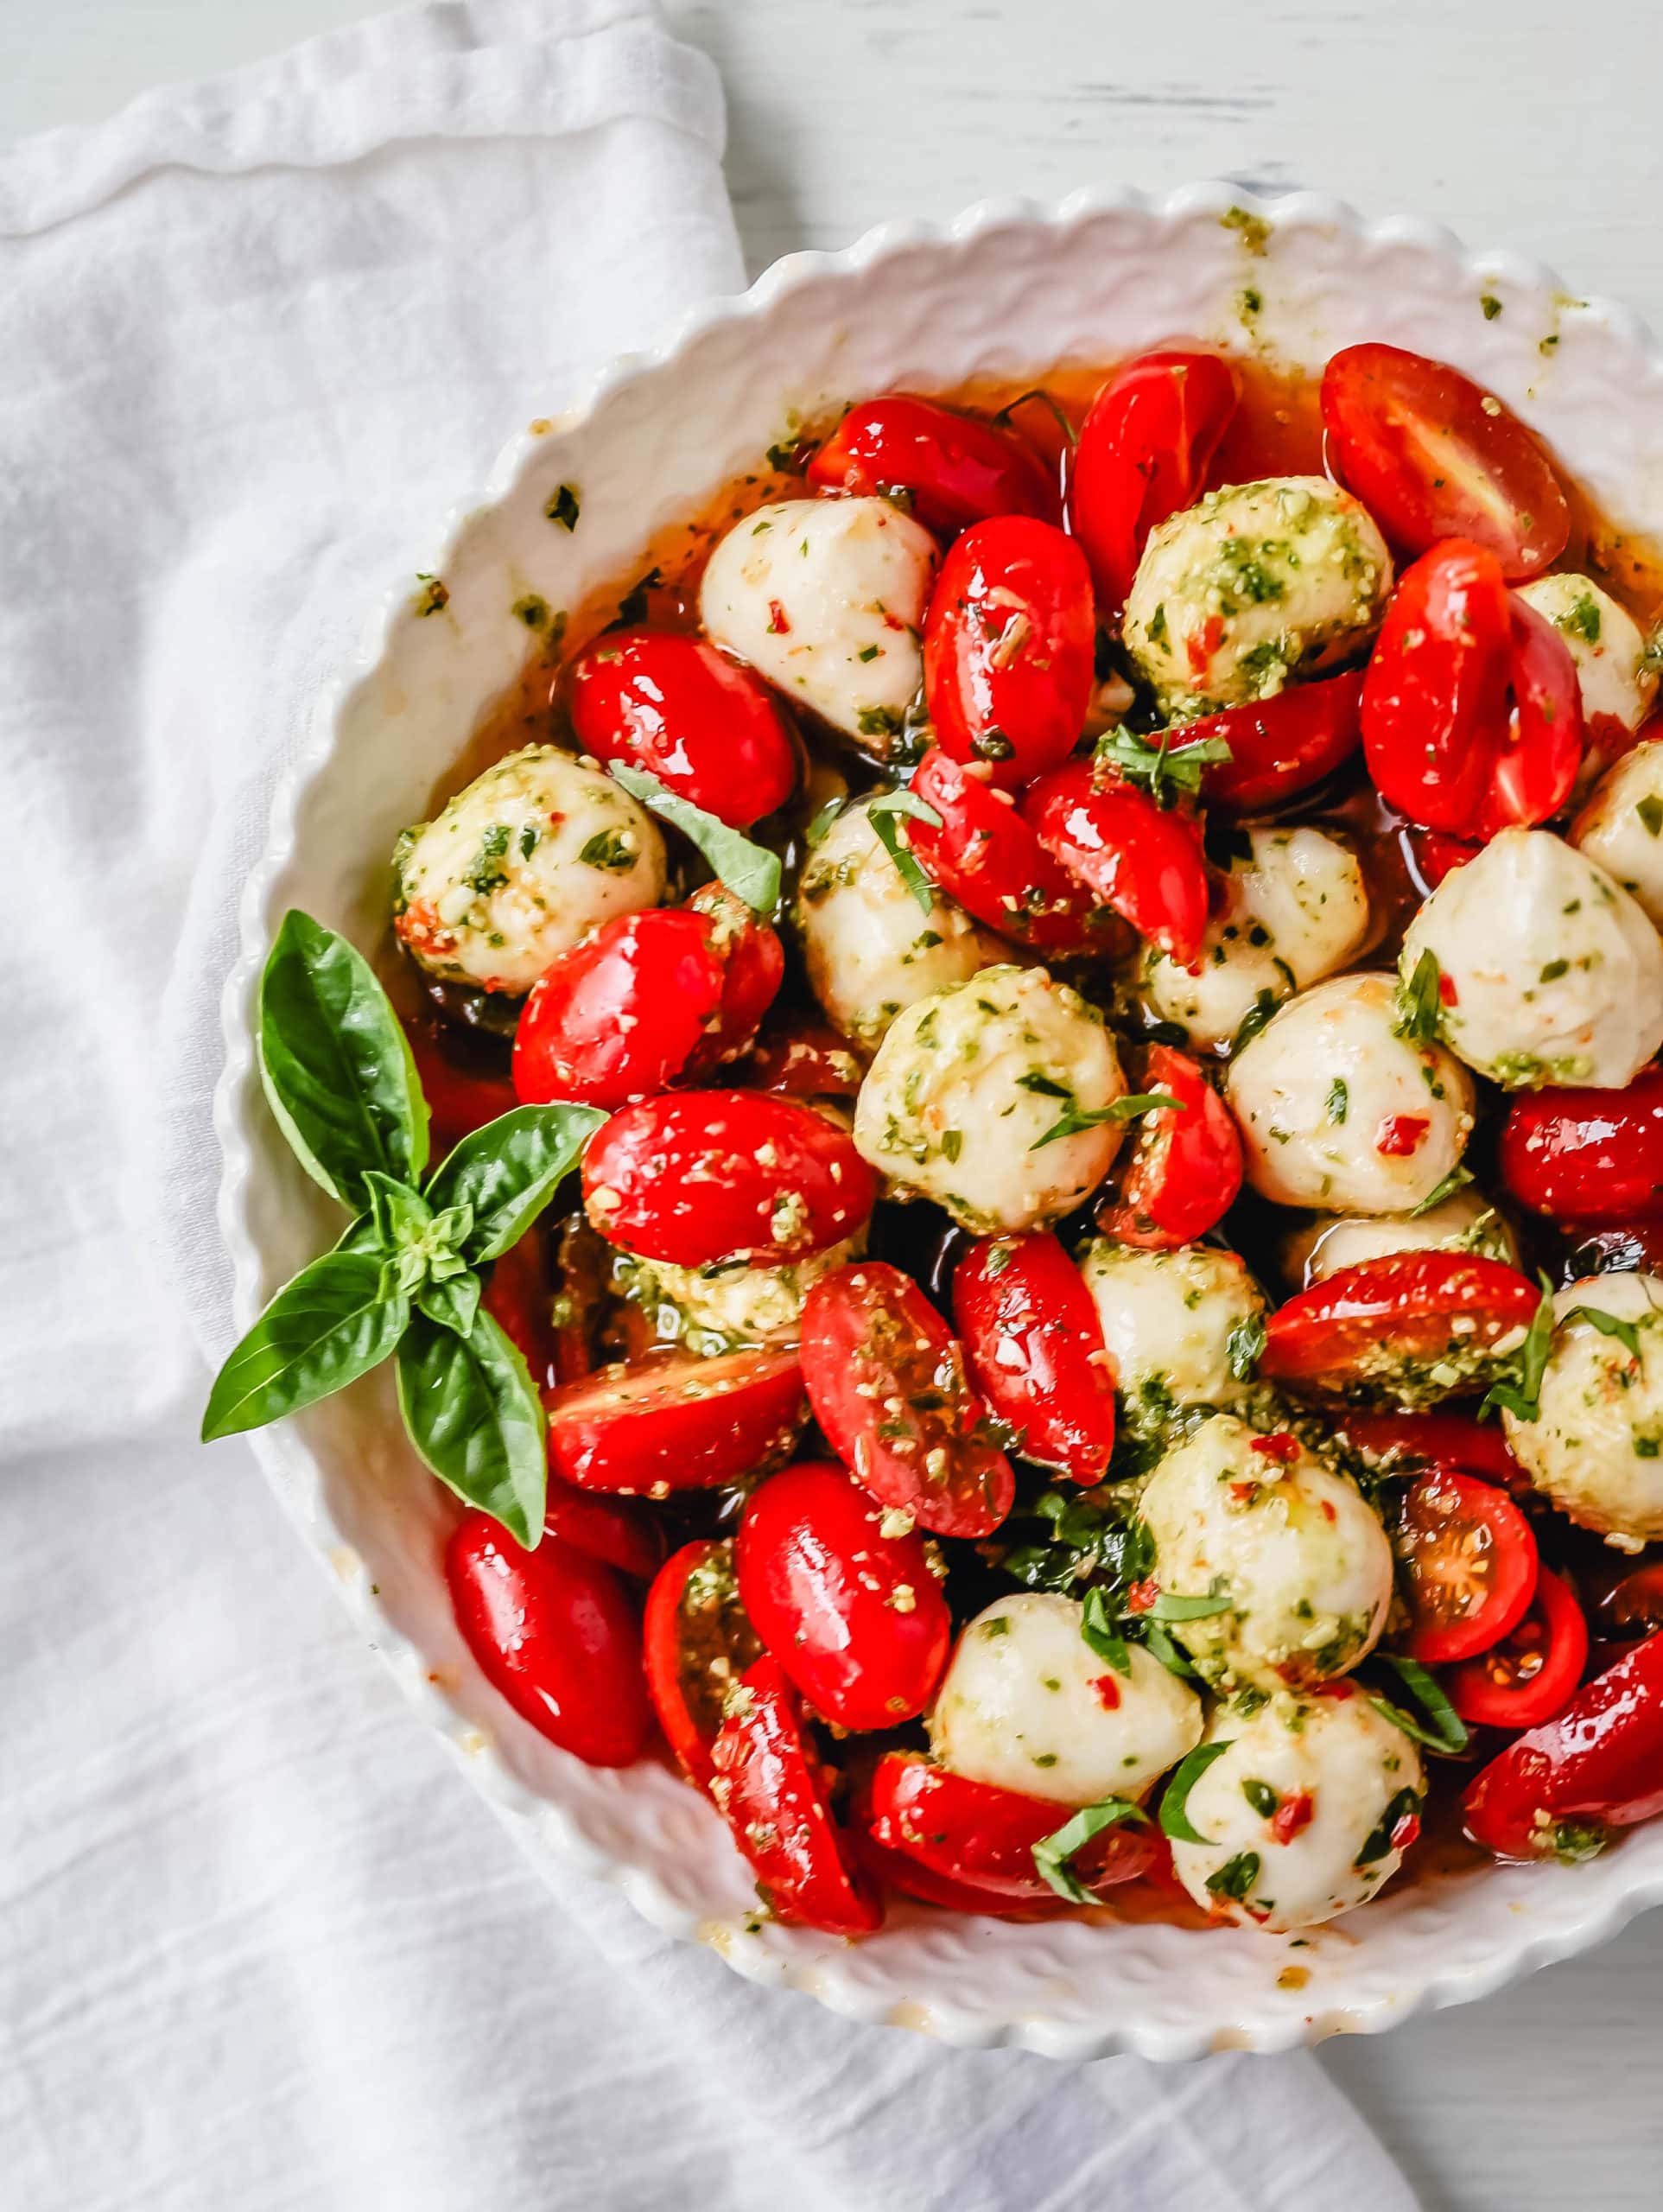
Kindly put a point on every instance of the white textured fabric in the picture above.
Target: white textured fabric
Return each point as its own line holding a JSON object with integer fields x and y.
{"x": 259, "y": 1948}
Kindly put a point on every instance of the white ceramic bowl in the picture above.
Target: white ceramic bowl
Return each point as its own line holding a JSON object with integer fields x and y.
{"x": 1007, "y": 291}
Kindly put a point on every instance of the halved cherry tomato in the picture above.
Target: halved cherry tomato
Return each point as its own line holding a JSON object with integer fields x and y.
{"x": 972, "y": 1833}
{"x": 619, "y": 1015}
{"x": 770, "y": 1790}
{"x": 1533, "y": 1673}
{"x": 1413, "y": 1307}
{"x": 954, "y": 468}
{"x": 1142, "y": 859}
{"x": 914, "y": 1879}
{"x": 464, "y": 1079}
{"x": 1633, "y": 1606}
{"x": 671, "y": 704}
{"x": 983, "y": 854}
{"x": 1144, "y": 452}
{"x": 1448, "y": 1440}
{"x": 697, "y": 1643}
{"x": 1469, "y": 1560}
{"x": 724, "y": 1175}
{"x": 886, "y": 1379}
{"x": 518, "y": 1298}
{"x": 850, "y": 1611}
{"x": 753, "y": 967}
{"x": 1035, "y": 1350}
{"x": 1612, "y": 1247}
{"x": 1471, "y": 709}
{"x": 1183, "y": 1172}
{"x": 671, "y": 1422}
{"x": 1432, "y": 456}
{"x": 617, "y": 1529}
{"x": 801, "y": 1057}
{"x": 1008, "y": 646}
{"x": 1281, "y": 746}
{"x": 1560, "y": 1790}
{"x": 553, "y": 1631}
{"x": 1587, "y": 1155}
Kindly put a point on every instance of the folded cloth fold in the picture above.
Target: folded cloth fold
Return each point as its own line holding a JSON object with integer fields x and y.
{"x": 261, "y": 1950}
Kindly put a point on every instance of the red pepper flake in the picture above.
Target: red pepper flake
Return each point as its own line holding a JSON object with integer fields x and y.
{"x": 1281, "y": 1448}
{"x": 1201, "y": 645}
{"x": 779, "y": 622}
{"x": 1108, "y": 1692}
{"x": 1329, "y": 1513}
{"x": 1446, "y": 988}
{"x": 1141, "y": 1596}
{"x": 1400, "y": 1135}
{"x": 1244, "y": 1493}
{"x": 1292, "y": 1816}
{"x": 1407, "y": 1832}
{"x": 1339, "y": 1690}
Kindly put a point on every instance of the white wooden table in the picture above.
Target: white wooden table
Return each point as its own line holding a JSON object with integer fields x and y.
{"x": 1533, "y": 124}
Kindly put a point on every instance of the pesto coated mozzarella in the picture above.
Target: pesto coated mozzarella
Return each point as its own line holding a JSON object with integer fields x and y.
{"x": 1290, "y": 910}
{"x": 1339, "y": 1112}
{"x": 1464, "y": 1222}
{"x": 982, "y": 1097}
{"x": 1027, "y": 1705}
{"x": 826, "y": 597}
{"x": 1621, "y": 829}
{"x": 1258, "y": 581}
{"x": 527, "y": 859}
{"x": 1612, "y": 672}
{"x": 1549, "y": 973}
{"x": 1595, "y": 1447}
{"x": 1307, "y": 1814}
{"x": 713, "y": 1310}
{"x": 1288, "y": 1546}
{"x": 870, "y": 951}
{"x": 1171, "y": 1323}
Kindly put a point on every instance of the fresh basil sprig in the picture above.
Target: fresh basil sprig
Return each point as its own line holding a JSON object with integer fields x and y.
{"x": 751, "y": 872}
{"x": 404, "y": 1277}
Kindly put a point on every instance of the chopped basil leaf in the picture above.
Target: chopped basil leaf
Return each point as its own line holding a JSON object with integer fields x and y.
{"x": 751, "y": 872}
{"x": 1447, "y": 1732}
{"x": 564, "y": 507}
{"x": 1244, "y": 1345}
{"x": 1452, "y": 1182}
{"x": 1052, "y": 1854}
{"x": 1608, "y": 1325}
{"x": 1420, "y": 1001}
{"x": 1098, "y": 1630}
{"x": 1520, "y": 1394}
{"x": 1405, "y": 1806}
{"x": 1174, "y": 1812}
{"x": 1236, "y": 1880}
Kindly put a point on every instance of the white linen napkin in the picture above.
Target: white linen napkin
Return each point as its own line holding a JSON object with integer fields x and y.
{"x": 260, "y": 1947}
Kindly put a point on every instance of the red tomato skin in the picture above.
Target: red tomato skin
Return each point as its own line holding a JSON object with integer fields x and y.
{"x": 616, "y": 1529}
{"x": 821, "y": 1582}
{"x": 1144, "y": 452}
{"x": 555, "y": 1632}
{"x": 970, "y": 1832}
{"x": 1599, "y": 1765}
{"x": 851, "y": 1320}
{"x": 1434, "y": 697}
{"x": 914, "y": 1879}
{"x": 1377, "y": 403}
{"x": 769, "y": 1794}
{"x": 1594, "y": 1248}
{"x": 672, "y": 705}
{"x": 1442, "y": 1495}
{"x": 800, "y": 1058}
{"x": 461, "y": 1099}
{"x": 519, "y": 1298}
{"x": 1589, "y": 1156}
{"x": 1184, "y": 1171}
{"x": 1280, "y": 746}
{"x": 1008, "y": 647}
{"x": 958, "y": 469}
{"x": 620, "y": 1015}
{"x": 1035, "y": 1350}
{"x": 1449, "y": 1439}
{"x": 753, "y": 967}
{"x": 664, "y": 1638}
{"x": 1537, "y": 765}
{"x": 1142, "y": 859}
{"x": 984, "y": 853}
{"x": 672, "y": 1422}
{"x": 724, "y": 1174}
{"x": 1305, "y": 1336}
{"x": 1485, "y": 1702}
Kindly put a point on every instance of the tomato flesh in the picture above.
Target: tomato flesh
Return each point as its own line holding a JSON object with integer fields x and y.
{"x": 1142, "y": 859}
{"x": 1432, "y": 456}
{"x": 848, "y": 1605}
{"x": 753, "y": 967}
{"x": 954, "y": 468}
{"x": 621, "y": 1015}
{"x": 1279, "y": 747}
{"x": 697, "y": 1643}
{"x": 1411, "y": 1306}
{"x": 1035, "y": 1350}
{"x": 887, "y": 1381}
{"x": 1471, "y": 1562}
{"x": 1532, "y": 1673}
{"x": 617, "y": 1529}
{"x": 1183, "y": 1172}
{"x": 801, "y": 1057}
{"x": 1586, "y": 1155}
{"x": 972, "y": 1832}
{"x": 1448, "y": 1440}
{"x": 671, "y": 1422}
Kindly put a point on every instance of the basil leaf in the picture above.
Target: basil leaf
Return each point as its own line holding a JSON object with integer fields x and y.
{"x": 751, "y": 872}
{"x": 1236, "y": 1880}
{"x": 474, "y": 1417}
{"x": 452, "y": 1303}
{"x": 397, "y": 1213}
{"x": 335, "y": 1063}
{"x": 1608, "y": 1325}
{"x": 322, "y": 1332}
{"x": 1406, "y": 1806}
{"x": 1165, "y": 1650}
{"x": 1169, "y": 1607}
{"x": 1448, "y": 1733}
{"x": 1521, "y": 1396}
{"x": 1174, "y": 1819}
{"x": 1420, "y": 999}
{"x": 905, "y": 802}
{"x": 1452, "y": 1182}
{"x": 1244, "y": 1347}
{"x": 1053, "y": 1852}
{"x": 1253, "y": 1020}
{"x": 508, "y": 1171}
{"x": 1099, "y": 1633}
{"x": 882, "y": 818}
{"x": 1161, "y": 770}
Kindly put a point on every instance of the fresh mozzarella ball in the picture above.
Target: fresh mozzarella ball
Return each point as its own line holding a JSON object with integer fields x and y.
{"x": 1549, "y": 973}
{"x": 1258, "y": 581}
{"x": 961, "y": 1101}
{"x": 1595, "y": 1447}
{"x": 1027, "y": 1705}
{"x": 1464, "y": 1222}
{"x": 1293, "y": 909}
{"x": 1606, "y": 644}
{"x": 1170, "y": 1321}
{"x": 1286, "y": 1541}
{"x": 1621, "y": 829}
{"x": 826, "y": 597}
{"x": 1339, "y": 1112}
{"x": 1300, "y": 1813}
{"x": 532, "y": 856}
{"x": 714, "y": 1310}
{"x": 870, "y": 951}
